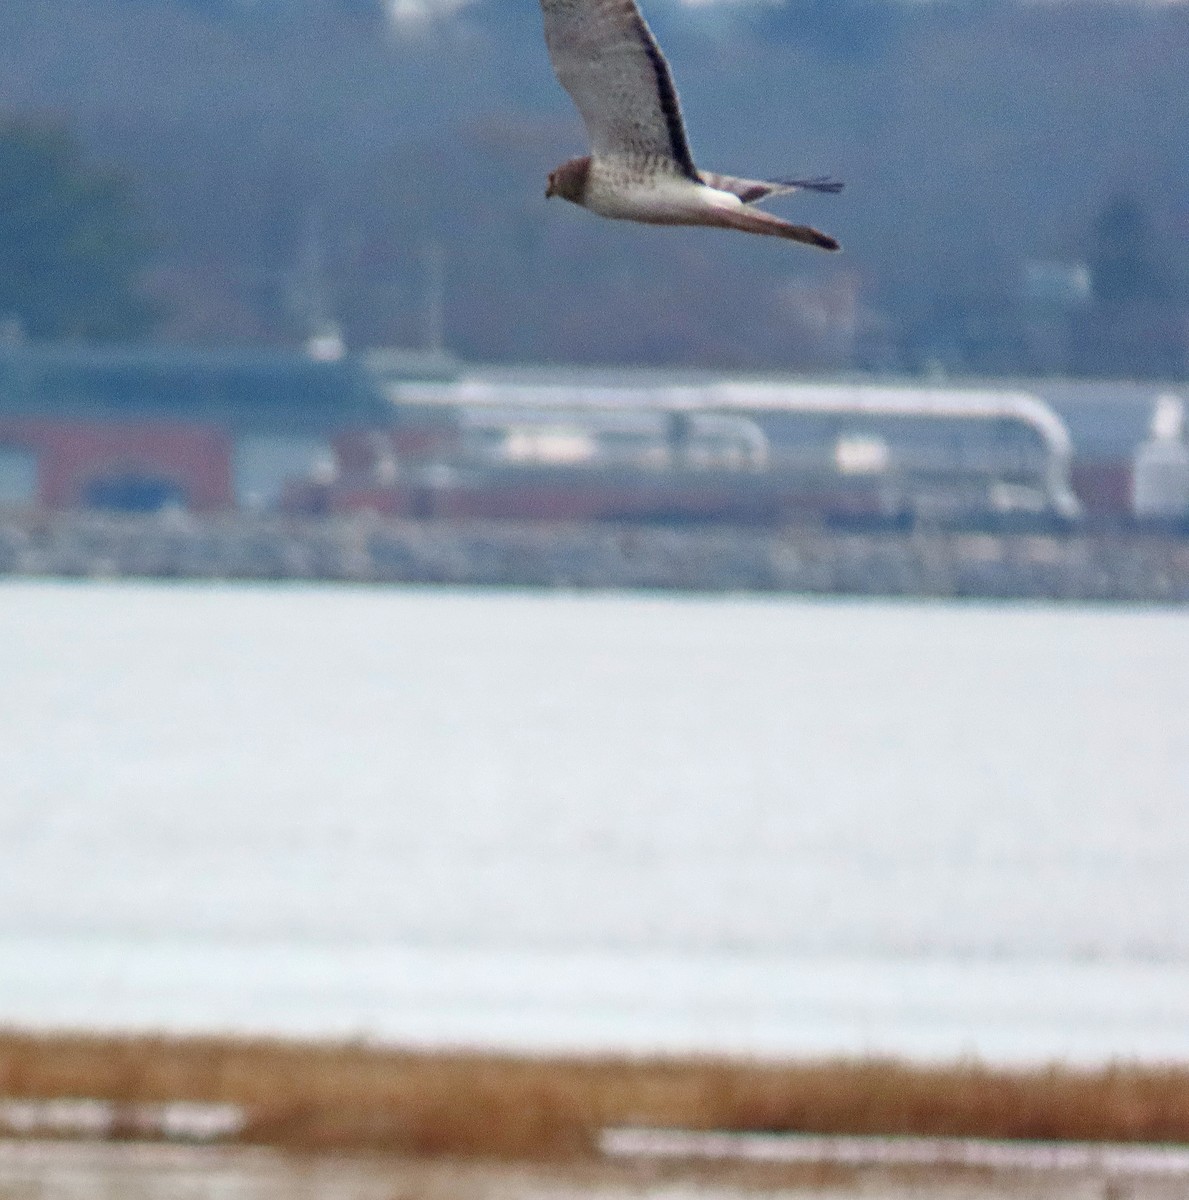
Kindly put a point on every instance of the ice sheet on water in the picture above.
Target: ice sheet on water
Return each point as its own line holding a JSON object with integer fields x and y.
{"x": 1008, "y": 1011}
{"x": 763, "y": 823}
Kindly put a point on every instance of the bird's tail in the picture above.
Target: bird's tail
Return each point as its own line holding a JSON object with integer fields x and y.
{"x": 752, "y": 190}
{"x": 750, "y": 220}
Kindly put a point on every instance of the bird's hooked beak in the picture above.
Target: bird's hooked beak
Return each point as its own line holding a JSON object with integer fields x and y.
{"x": 550, "y": 188}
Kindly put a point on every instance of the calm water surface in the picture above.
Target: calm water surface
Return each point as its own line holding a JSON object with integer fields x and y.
{"x": 636, "y": 822}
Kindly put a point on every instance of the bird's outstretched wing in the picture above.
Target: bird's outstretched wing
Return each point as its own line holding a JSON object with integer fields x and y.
{"x": 753, "y": 220}
{"x": 751, "y": 191}
{"x": 606, "y": 57}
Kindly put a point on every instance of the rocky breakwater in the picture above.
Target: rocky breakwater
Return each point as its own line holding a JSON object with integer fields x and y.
{"x": 1097, "y": 566}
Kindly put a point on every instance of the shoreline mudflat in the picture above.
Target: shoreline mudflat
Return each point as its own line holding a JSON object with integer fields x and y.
{"x": 69, "y": 1170}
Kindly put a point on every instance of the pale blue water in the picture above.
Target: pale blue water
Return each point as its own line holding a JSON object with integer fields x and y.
{"x": 539, "y": 820}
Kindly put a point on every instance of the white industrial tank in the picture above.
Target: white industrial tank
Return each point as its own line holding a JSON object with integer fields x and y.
{"x": 1160, "y": 476}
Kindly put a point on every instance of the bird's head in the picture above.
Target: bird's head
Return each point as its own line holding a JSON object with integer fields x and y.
{"x": 569, "y": 180}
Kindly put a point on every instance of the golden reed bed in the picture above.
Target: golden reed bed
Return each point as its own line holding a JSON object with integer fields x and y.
{"x": 359, "y": 1097}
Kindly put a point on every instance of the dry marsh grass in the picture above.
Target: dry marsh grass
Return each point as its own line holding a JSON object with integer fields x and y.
{"x": 361, "y": 1097}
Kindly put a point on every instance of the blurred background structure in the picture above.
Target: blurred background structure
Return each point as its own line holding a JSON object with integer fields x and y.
{"x": 138, "y": 428}
{"x": 218, "y": 218}
{"x": 1017, "y": 196}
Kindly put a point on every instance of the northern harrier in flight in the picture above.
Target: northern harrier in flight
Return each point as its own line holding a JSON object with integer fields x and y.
{"x": 640, "y": 167}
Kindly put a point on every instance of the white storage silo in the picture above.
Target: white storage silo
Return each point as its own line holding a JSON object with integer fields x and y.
{"x": 1160, "y": 475}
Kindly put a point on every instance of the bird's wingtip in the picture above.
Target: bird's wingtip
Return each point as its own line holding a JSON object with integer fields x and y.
{"x": 823, "y": 183}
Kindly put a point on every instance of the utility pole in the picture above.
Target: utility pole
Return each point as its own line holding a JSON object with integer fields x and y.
{"x": 324, "y": 339}
{"x": 434, "y": 313}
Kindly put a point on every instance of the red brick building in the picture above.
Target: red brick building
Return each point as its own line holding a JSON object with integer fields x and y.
{"x": 138, "y": 428}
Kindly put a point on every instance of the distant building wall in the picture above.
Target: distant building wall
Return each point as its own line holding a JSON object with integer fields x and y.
{"x": 1103, "y": 486}
{"x": 78, "y": 461}
{"x": 264, "y": 466}
{"x": 18, "y": 476}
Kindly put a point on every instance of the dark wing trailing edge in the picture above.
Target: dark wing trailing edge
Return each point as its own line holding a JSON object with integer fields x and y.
{"x": 606, "y": 57}
{"x": 752, "y": 190}
{"x": 752, "y": 220}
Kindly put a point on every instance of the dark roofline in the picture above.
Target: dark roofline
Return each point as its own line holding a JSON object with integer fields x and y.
{"x": 248, "y": 389}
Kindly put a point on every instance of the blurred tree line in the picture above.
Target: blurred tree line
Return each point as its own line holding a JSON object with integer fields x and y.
{"x": 1017, "y": 202}
{"x": 72, "y": 245}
